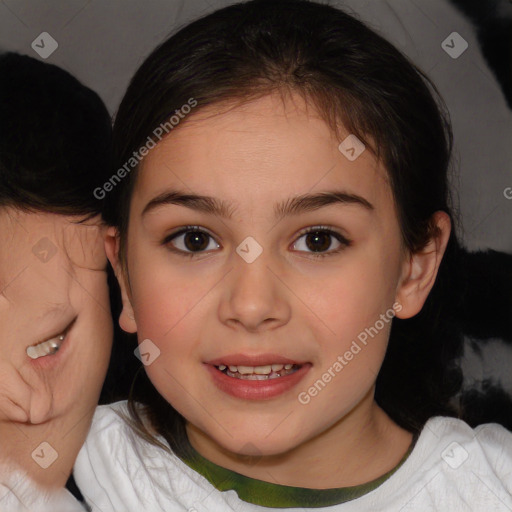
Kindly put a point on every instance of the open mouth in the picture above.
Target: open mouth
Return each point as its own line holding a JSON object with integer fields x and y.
{"x": 50, "y": 346}
{"x": 46, "y": 348}
{"x": 256, "y": 376}
{"x": 265, "y": 372}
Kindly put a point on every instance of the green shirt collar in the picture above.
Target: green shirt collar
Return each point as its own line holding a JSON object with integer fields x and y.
{"x": 271, "y": 495}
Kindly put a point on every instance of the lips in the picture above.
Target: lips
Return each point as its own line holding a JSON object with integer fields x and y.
{"x": 256, "y": 377}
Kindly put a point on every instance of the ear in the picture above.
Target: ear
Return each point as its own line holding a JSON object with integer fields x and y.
{"x": 127, "y": 317}
{"x": 420, "y": 269}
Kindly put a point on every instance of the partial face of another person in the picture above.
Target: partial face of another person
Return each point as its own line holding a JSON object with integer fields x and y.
{"x": 55, "y": 320}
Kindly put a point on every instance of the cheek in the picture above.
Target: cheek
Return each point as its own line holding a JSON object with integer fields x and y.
{"x": 79, "y": 382}
{"x": 353, "y": 294}
{"x": 94, "y": 340}
{"x": 167, "y": 294}
{"x": 161, "y": 305}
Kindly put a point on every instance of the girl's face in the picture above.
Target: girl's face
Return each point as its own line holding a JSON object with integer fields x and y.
{"x": 250, "y": 288}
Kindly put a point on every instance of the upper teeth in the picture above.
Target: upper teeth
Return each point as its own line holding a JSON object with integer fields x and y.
{"x": 45, "y": 348}
{"x": 258, "y": 370}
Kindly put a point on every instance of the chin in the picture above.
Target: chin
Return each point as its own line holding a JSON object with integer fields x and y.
{"x": 260, "y": 445}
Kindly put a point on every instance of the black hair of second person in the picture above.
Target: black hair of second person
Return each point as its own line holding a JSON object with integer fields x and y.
{"x": 356, "y": 78}
{"x": 55, "y": 139}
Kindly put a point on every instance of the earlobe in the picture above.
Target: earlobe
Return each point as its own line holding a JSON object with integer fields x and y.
{"x": 127, "y": 317}
{"x": 421, "y": 268}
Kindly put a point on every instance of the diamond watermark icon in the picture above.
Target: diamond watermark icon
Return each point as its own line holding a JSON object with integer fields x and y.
{"x": 44, "y": 45}
{"x": 254, "y": 457}
{"x": 147, "y": 352}
{"x": 45, "y": 455}
{"x": 454, "y": 45}
{"x": 454, "y": 455}
{"x": 351, "y": 147}
{"x": 44, "y": 250}
{"x": 249, "y": 249}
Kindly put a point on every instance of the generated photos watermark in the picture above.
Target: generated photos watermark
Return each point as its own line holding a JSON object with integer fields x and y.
{"x": 151, "y": 142}
{"x": 304, "y": 397}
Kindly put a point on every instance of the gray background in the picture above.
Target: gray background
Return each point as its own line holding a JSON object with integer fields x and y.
{"x": 103, "y": 42}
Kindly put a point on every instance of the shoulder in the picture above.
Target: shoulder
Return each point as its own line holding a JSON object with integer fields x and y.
{"x": 453, "y": 465}
{"x": 117, "y": 469}
{"x": 109, "y": 417}
{"x": 464, "y": 443}
{"x": 112, "y": 437}
{"x": 109, "y": 427}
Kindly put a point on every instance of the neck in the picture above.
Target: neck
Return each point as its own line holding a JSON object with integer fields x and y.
{"x": 33, "y": 448}
{"x": 359, "y": 448}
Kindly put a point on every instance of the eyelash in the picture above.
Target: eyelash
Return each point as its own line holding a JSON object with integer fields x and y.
{"x": 345, "y": 242}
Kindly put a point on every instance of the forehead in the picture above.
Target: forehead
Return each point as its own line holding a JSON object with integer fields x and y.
{"x": 47, "y": 247}
{"x": 258, "y": 150}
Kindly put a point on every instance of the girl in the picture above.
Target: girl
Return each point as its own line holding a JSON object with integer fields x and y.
{"x": 283, "y": 372}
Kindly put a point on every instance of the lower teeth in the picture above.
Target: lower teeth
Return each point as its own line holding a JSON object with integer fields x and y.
{"x": 255, "y": 376}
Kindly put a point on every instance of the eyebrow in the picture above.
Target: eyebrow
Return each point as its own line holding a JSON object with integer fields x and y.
{"x": 292, "y": 206}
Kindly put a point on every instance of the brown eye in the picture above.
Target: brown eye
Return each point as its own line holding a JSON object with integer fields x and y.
{"x": 189, "y": 241}
{"x": 195, "y": 241}
{"x": 317, "y": 241}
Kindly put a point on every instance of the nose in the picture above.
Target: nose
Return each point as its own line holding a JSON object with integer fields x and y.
{"x": 255, "y": 297}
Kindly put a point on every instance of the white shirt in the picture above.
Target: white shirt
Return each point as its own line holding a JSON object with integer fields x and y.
{"x": 452, "y": 468}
